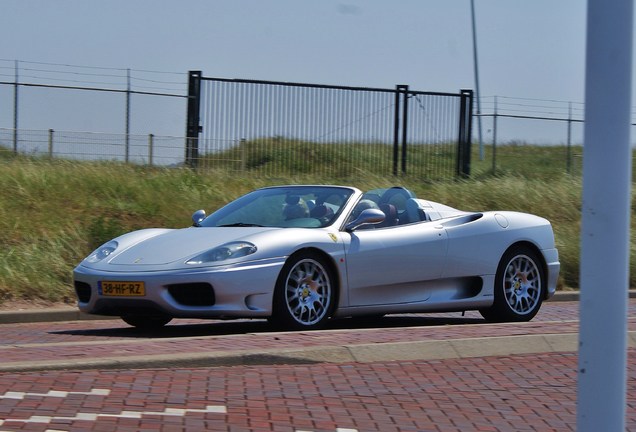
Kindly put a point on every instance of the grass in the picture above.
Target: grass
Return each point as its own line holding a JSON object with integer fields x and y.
{"x": 288, "y": 157}
{"x": 54, "y": 212}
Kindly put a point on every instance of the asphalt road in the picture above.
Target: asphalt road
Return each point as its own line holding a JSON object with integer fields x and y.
{"x": 438, "y": 372}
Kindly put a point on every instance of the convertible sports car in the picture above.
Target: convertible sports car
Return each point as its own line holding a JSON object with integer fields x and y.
{"x": 301, "y": 255}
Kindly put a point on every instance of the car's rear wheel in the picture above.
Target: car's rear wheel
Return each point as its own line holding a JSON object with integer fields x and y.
{"x": 519, "y": 286}
{"x": 146, "y": 322}
{"x": 305, "y": 293}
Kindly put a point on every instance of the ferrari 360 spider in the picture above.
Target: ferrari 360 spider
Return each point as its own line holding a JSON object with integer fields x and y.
{"x": 301, "y": 255}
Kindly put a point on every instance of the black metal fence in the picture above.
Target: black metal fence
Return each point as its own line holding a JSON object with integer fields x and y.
{"x": 256, "y": 127}
{"x": 270, "y": 128}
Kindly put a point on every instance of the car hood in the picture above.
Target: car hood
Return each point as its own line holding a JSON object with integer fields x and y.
{"x": 156, "y": 250}
{"x": 171, "y": 246}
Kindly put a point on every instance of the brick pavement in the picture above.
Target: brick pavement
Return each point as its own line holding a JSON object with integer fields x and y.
{"x": 534, "y": 391}
{"x": 112, "y": 343}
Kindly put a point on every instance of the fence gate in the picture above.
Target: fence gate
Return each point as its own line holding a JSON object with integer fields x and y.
{"x": 274, "y": 128}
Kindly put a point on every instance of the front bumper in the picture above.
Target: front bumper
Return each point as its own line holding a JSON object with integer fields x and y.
{"x": 239, "y": 290}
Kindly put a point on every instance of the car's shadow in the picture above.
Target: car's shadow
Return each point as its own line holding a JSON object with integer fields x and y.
{"x": 222, "y": 328}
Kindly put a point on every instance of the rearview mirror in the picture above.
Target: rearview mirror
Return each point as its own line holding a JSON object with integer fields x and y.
{"x": 197, "y": 217}
{"x": 367, "y": 217}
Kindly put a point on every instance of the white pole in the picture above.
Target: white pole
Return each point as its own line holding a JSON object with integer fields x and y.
{"x": 605, "y": 236}
{"x": 477, "y": 93}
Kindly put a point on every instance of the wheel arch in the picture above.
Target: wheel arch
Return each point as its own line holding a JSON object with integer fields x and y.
{"x": 328, "y": 259}
{"x": 534, "y": 248}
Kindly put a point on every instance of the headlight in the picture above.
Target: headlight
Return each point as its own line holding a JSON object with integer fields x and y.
{"x": 102, "y": 252}
{"x": 225, "y": 252}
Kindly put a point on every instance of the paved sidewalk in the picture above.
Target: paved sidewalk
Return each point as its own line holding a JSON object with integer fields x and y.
{"x": 403, "y": 373}
{"x": 33, "y": 343}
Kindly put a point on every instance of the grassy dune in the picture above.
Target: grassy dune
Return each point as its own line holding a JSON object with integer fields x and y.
{"x": 53, "y": 213}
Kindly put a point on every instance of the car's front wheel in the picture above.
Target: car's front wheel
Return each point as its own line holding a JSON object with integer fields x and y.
{"x": 305, "y": 293}
{"x": 146, "y": 322}
{"x": 519, "y": 286}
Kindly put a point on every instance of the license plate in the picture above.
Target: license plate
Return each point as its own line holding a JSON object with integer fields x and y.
{"x": 122, "y": 289}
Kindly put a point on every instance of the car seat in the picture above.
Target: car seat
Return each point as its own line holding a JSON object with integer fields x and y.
{"x": 391, "y": 215}
{"x": 322, "y": 213}
{"x": 414, "y": 213}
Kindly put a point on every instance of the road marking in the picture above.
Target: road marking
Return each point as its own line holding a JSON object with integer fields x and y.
{"x": 337, "y": 430}
{"x": 53, "y": 393}
{"x": 168, "y": 412}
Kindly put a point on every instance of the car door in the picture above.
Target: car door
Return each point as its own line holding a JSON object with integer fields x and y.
{"x": 390, "y": 265}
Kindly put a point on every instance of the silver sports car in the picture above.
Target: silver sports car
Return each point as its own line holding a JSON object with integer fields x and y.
{"x": 301, "y": 255}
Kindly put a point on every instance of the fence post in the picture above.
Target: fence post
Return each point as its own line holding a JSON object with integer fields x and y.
{"x": 569, "y": 153}
{"x": 151, "y": 143}
{"x": 15, "y": 110}
{"x": 494, "y": 139}
{"x": 127, "y": 116}
{"x": 465, "y": 133}
{"x": 50, "y": 143}
{"x": 405, "y": 105}
{"x": 396, "y": 130}
{"x": 400, "y": 91}
{"x": 193, "y": 127}
{"x": 243, "y": 145}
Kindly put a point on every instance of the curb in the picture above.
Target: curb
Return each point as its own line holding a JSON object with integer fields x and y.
{"x": 362, "y": 353}
{"x": 48, "y": 315}
{"x": 67, "y": 314}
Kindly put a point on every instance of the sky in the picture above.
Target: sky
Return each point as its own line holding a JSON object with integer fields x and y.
{"x": 526, "y": 49}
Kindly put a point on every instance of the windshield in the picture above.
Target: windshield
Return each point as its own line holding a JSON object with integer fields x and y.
{"x": 285, "y": 206}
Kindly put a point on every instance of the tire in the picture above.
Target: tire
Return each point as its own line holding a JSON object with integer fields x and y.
{"x": 519, "y": 286}
{"x": 146, "y": 322}
{"x": 305, "y": 292}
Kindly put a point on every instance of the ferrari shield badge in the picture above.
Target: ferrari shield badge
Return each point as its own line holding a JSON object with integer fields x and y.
{"x": 333, "y": 237}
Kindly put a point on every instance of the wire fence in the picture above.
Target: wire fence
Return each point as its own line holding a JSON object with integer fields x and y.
{"x": 43, "y": 96}
{"x": 142, "y": 117}
{"x": 92, "y": 146}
